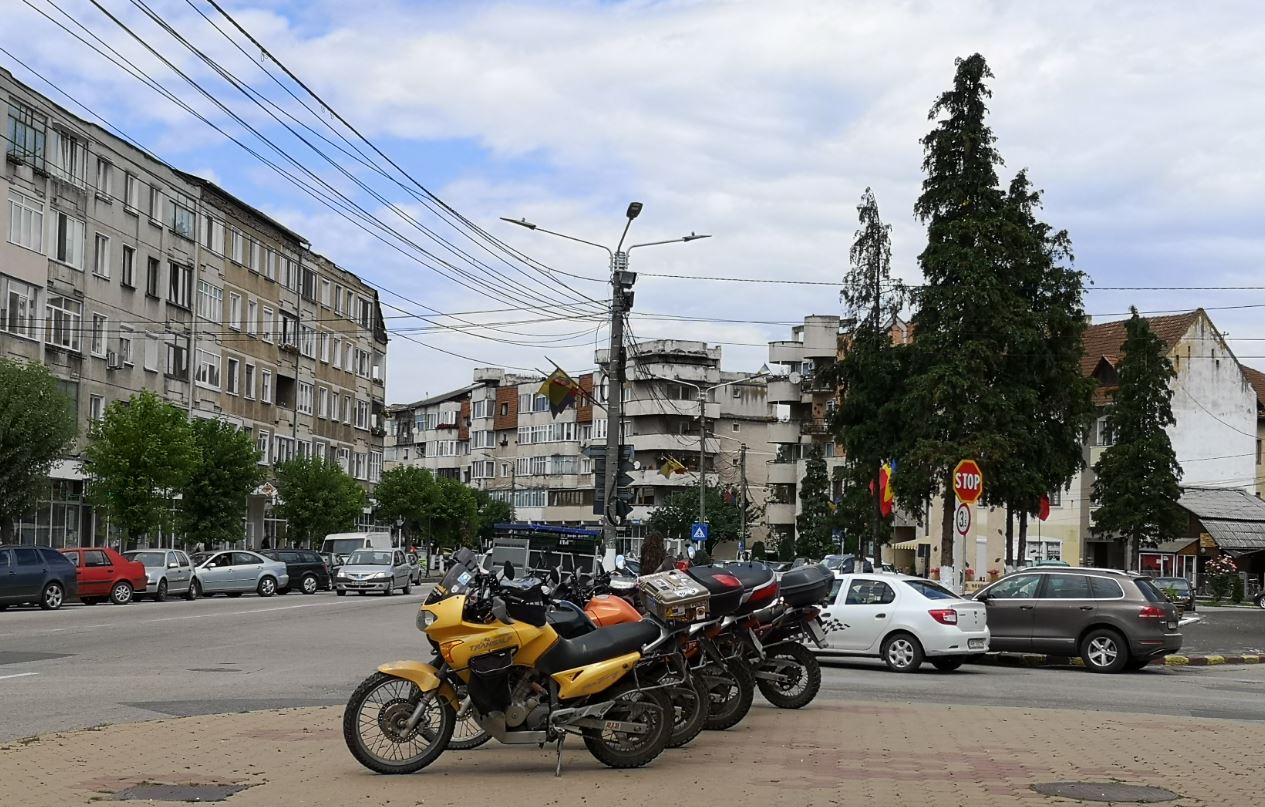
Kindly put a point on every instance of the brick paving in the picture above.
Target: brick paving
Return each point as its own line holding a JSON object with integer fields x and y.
{"x": 830, "y": 753}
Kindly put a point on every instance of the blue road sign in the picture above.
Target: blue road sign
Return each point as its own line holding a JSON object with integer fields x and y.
{"x": 700, "y": 532}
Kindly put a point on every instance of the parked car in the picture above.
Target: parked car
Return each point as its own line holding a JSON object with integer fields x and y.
{"x": 104, "y": 574}
{"x": 36, "y": 574}
{"x": 236, "y": 572}
{"x": 1113, "y": 620}
{"x": 306, "y": 569}
{"x": 167, "y": 572}
{"x": 903, "y": 620}
{"x": 1182, "y": 591}
{"x": 415, "y": 568}
{"x": 368, "y": 570}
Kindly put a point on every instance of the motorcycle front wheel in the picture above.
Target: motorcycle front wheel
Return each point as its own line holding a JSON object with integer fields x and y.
{"x": 468, "y": 734}
{"x": 802, "y": 680}
{"x": 620, "y": 749}
{"x": 375, "y": 725}
{"x": 730, "y": 693}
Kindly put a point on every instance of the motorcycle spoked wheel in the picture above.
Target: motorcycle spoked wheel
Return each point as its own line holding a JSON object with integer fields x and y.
{"x": 689, "y": 705}
{"x": 617, "y": 749}
{"x": 468, "y": 734}
{"x": 374, "y": 725}
{"x": 804, "y": 679}
{"x": 730, "y": 696}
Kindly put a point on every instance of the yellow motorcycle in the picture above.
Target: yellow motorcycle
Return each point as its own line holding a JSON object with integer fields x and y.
{"x": 524, "y": 683}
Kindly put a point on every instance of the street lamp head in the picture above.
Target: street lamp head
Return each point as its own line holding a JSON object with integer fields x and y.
{"x": 694, "y": 237}
{"x": 520, "y": 222}
{"x": 634, "y": 210}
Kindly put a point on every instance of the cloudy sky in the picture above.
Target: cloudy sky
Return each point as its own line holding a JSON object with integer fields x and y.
{"x": 758, "y": 123}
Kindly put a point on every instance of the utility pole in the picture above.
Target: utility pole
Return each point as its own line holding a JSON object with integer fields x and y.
{"x": 702, "y": 456}
{"x": 742, "y": 500}
{"x": 877, "y": 512}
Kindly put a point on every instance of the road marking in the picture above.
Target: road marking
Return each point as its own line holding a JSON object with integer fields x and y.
{"x": 16, "y": 675}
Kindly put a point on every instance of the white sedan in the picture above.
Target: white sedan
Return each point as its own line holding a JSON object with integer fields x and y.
{"x": 904, "y": 621}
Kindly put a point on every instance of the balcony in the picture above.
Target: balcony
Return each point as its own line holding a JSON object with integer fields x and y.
{"x": 674, "y": 444}
{"x": 780, "y": 514}
{"x": 821, "y": 338}
{"x": 660, "y": 407}
{"x": 786, "y": 352}
{"x": 784, "y": 473}
{"x": 814, "y": 428}
{"x": 786, "y": 432}
{"x": 783, "y": 391}
{"x": 650, "y": 477}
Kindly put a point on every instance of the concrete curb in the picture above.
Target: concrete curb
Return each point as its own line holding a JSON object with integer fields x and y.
{"x": 1039, "y": 660}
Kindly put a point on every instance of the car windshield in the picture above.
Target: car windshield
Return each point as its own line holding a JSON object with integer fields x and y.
{"x": 369, "y": 557}
{"x": 932, "y": 591}
{"x": 147, "y": 558}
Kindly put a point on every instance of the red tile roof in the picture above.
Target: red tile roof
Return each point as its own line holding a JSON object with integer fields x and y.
{"x": 1106, "y": 340}
{"x": 1257, "y": 379}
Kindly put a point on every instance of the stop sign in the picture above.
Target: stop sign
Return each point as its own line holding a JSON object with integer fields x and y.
{"x": 968, "y": 481}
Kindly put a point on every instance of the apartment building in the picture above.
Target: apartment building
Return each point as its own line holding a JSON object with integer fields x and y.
{"x": 497, "y": 434}
{"x": 121, "y": 273}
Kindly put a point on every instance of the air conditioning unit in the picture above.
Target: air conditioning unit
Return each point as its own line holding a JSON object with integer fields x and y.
{"x": 112, "y": 361}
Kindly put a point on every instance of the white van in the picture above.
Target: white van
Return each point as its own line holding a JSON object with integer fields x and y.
{"x": 344, "y": 543}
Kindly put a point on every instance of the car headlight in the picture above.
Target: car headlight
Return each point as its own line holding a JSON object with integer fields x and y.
{"x": 425, "y": 619}
{"x": 381, "y": 575}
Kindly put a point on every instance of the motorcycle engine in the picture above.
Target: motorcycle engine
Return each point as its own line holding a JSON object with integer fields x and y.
{"x": 525, "y": 706}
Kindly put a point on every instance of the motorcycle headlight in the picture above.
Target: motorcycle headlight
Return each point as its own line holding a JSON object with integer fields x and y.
{"x": 425, "y": 619}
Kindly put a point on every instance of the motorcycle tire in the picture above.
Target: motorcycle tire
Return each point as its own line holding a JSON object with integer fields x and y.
{"x": 728, "y": 707}
{"x": 608, "y": 747}
{"x": 689, "y": 705}
{"x": 387, "y": 720}
{"x": 804, "y": 686}
{"x": 467, "y": 735}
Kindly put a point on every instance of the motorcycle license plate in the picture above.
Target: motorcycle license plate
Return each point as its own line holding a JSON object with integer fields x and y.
{"x": 817, "y": 632}
{"x": 975, "y": 644}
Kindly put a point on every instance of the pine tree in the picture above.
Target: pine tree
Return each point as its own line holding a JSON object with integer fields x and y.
{"x": 1136, "y": 479}
{"x": 813, "y": 525}
{"x": 954, "y": 405}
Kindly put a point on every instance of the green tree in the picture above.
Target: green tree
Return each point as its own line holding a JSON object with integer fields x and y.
{"x": 724, "y": 516}
{"x": 407, "y": 492}
{"x": 317, "y": 498}
{"x": 954, "y": 405}
{"x": 37, "y": 425}
{"x": 490, "y": 512}
{"x": 454, "y": 514}
{"x": 870, "y": 377}
{"x": 1136, "y": 479}
{"x": 814, "y": 523}
{"x": 139, "y": 455}
{"x": 652, "y": 552}
{"x": 225, "y": 470}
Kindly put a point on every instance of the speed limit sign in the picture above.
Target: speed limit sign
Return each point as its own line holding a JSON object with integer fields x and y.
{"x": 962, "y": 519}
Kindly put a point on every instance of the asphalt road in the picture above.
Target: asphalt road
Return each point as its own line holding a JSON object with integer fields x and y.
{"x": 1225, "y": 630}
{"x": 85, "y": 666}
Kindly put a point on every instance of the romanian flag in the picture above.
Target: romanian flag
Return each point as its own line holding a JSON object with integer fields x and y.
{"x": 560, "y": 390}
{"x": 886, "y": 496}
{"x": 670, "y": 467}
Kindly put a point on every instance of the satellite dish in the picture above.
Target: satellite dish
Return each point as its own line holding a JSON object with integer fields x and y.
{"x": 795, "y": 378}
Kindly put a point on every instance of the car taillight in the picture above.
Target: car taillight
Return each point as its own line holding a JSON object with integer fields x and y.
{"x": 945, "y": 616}
{"x": 1151, "y": 612}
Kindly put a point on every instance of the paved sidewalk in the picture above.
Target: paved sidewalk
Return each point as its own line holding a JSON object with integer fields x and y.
{"x": 829, "y": 753}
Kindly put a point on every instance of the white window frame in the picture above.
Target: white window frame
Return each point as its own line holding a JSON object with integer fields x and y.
{"x": 183, "y": 220}
{"x": 304, "y": 398}
{"x": 63, "y": 321}
{"x": 131, "y": 193}
{"x": 208, "y": 366}
{"x": 26, "y": 221}
{"x": 322, "y": 402}
{"x": 126, "y": 339}
{"x": 21, "y": 304}
{"x": 248, "y": 381}
{"x": 99, "y": 333}
{"x": 96, "y": 407}
{"x": 177, "y": 365}
{"x": 101, "y": 255}
{"x": 67, "y": 241}
{"x": 210, "y": 302}
{"x": 180, "y": 285}
{"x": 265, "y": 385}
{"x": 265, "y": 328}
{"x": 263, "y": 445}
{"x": 252, "y": 316}
{"x": 232, "y": 372}
{"x": 127, "y": 266}
{"x": 234, "y": 311}
{"x": 105, "y": 179}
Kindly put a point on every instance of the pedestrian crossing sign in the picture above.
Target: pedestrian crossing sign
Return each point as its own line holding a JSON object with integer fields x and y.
{"x": 700, "y": 532}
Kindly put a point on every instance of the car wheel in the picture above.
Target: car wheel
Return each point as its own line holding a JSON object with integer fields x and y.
{"x": 161, "y": 594}
{"x": 947, "y": 663}
{"x": 1104, "y": 651}
{"x": 194, "y": 591}
{"x": 53, "y": 596}
{"x": 902, "y": 653}
{"x": 1260, "y": 600}
{"x": 340, "y": 592}
{"x": 390, "y": 589}
{"x": 408, "y": 588}
{"x": 308, "y": 584}
{"x": 267, "y": 587}
{"x": 121, "y": 594}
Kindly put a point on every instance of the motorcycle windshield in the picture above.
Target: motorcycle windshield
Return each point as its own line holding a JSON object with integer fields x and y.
{"x": 460, "y": 576}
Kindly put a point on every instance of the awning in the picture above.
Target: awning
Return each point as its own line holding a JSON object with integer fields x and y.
{"x": 1189, "y": 545}
{"x": 912, "y": 546}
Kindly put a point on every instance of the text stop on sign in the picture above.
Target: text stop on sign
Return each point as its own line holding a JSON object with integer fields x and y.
{"x": 968, "y": 481}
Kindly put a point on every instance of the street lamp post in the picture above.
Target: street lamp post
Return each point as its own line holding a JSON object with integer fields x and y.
{"x": 622, "y": 282}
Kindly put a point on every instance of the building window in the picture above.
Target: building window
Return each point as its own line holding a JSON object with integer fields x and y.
{"x": 155, "y": 204}
{"x": 265, "y": 328}
{"x": 234, "y": 310}
{"x": 1056, "y": 498}
{"x": 344, "y": 459}
{"x": 236, "y": 246}
{"x": 324, "y": 340}
{"x": 375, "y": 466}
{"x": 151, "y": 277}
{"x": 252, "y": 317}
{"x": 128, "y": 275}
{"x": 26, "y": 221}
{"x": 307, "y": 341}
{"x": 283, "y": 449}
{"x": 68, "y": 158}
{"x": 248, "y": 384}
{"x": 338, "y": 299}
{"x": 233, "y": 370}
{"x": 178, "y": 357}
{"x": 125, "y": 344}
{"x": 105, "y": 178}
{"x": 362, "y": 414}
{"x": 335, "y": 349}
{"x": 101, "y": 260}
{"x": 213, "y": 234}
{"x": 309, "y": 285}
{"x": 131, "y": 193}
{"x": 270, "y": 265}
{"x": 1102, "y": 432}
{"x": 289, "y": 329}
{"x": 263, "y": 441}
{"x": 64, "y": 317}
{"x": 180, "y": 285}
{"x": 208, "y": 372}
{"x": 21, "y": 315}
{"x": 325, "y": 288}
{"x": 305, "y": 398}
{"x": 183, "y": 222}
{"x": 98, "y": 335}
{"x": 366, "y": 313}
{"x": 265, "y": 386}
{"x": 153, "y": 347}
{"x": 347, "y": 407}
{"x": 68, "y": 240}
{"x": 256, "y": 256}
{"x": 322, "y": 402}
{"x": 26, "y": 132}
{"x": 210, "y": 302}
{"x": 96, "y": 407}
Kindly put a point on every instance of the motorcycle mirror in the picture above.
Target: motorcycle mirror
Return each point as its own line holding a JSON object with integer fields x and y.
{"x": 509, "y": 570}
{"x": 689, "y": 550}
{"x": 620, "y": 562}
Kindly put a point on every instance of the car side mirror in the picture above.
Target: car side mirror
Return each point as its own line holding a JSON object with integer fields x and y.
{"x": 173, "y": 565}
{"x": 689, "y": 550}
{"x": 983, "y": 597}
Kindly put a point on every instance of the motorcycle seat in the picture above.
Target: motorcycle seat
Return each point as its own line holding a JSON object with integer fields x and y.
{"x": 570, "y": 622}
{"x": 601, "y": 644}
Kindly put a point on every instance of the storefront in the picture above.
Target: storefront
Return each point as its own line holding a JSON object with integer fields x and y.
{"x": 1176, "y": 558}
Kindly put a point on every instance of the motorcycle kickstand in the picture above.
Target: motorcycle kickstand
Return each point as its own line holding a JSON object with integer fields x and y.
{"x": 557, "y": 772}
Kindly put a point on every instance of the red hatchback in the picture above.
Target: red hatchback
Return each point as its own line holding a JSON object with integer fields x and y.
{"x": 104, "y": 574}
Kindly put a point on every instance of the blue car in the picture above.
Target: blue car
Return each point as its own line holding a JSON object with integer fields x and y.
{"x": 36, "y": 574}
